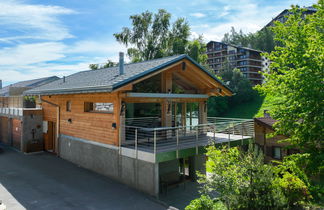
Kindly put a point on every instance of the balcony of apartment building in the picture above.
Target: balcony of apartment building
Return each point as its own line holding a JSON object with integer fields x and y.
{"x": 249, "y": 58}
{"x": 249, "y": 63}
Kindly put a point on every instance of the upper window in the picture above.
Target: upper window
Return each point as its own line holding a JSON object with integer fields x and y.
{"x": 68, "y": 106}
{"x": 277, "y": 152}
{"x": 98, "y": 107}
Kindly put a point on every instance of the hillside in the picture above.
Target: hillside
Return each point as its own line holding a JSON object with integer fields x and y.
{"x": 251, "y": 109}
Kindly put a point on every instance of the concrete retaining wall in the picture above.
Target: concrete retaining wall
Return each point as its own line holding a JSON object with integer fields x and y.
{"x": 105, "y": 159}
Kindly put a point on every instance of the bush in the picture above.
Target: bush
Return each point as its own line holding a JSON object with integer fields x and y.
{"x": 205, "y": 203}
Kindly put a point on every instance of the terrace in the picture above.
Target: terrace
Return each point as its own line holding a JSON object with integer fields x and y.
{"x": 145, "y": 139}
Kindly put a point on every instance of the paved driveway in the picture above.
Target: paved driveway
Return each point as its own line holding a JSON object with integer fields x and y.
{"x": 44, "y": 181}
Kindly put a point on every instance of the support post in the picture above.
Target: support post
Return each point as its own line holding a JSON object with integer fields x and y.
{"x": 177, "y": 133}
{"x": 197, "y": 130}
{"x": 154, "y": 145}
{"x": 136, "y": 149}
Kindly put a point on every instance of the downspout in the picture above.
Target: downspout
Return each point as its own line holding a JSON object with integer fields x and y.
{"x": 57, "y": 124}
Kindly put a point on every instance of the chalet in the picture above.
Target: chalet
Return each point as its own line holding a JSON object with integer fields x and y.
{"x": 272, "y": 146}
{"x": 144, "y": 124}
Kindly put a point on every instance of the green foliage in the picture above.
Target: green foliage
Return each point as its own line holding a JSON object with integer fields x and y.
{"x": 261, "y": 40}
{"x": 268, "y": 102}
{"x": 93, "y": 66}
{"x": 241, "y": 179}
{"x": 296, "y": 81}
{"x": 196, "y": 49}
{"x": 108, "y": 64}
{"x": 245, "y": 110}
{"x": 292, "y": 179}
{"x": 154, "y": 36}
{"x": 240, "y": 85}
{"x": 202, "y": 203}
{"x": 294, "y": 189}
{"x": 217, "y": 106}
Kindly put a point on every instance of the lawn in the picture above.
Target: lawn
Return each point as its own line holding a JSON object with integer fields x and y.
{"x": 247, "y": 110}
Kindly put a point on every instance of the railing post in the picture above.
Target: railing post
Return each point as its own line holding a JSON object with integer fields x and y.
{"x": 154, "y": 145}
{"x": 215, "y": 132}
{"x": 136, "y": 149}
{"x": 229, "y": 137}
{"x": 177, "y": 132}
{"x": 242, "y": 124}
{"x": 197, "y": 130}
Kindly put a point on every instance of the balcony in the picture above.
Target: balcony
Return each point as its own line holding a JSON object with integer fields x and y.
{"x": 15, "y": 112}
{"x": 143, "y": 138}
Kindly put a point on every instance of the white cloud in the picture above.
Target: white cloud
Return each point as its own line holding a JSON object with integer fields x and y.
{"x": 33, "y": 21}
{"x": 242, "y": 14}
{"x": 198, "y": 15}
{"x": 25, "y": 54}
{"x": 99, "y": 47}
{"x": 30, "y": 61}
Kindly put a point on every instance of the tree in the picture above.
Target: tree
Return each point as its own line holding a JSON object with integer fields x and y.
{"x": 241, "y": 180}
{"x": 238, "y": 83}
{"x": 261, "y": 40}
{"x": 196, "y": 49}
{"x": 153, "y": 36}
{"x": 108, "y": 64}
{"x": 296, "y": 79}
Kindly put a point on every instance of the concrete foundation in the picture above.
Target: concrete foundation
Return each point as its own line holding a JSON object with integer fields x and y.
{"x": 105, "y": 159}
{"x": 197, "y": 163}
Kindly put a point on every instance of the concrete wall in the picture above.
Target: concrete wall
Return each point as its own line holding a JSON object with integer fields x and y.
{"x": 32, "y": 131}
{"x": 169, "y": 166}
{"x": 105, "y": 159}
{"x": 25, "y": 132}
{"x": 197, "y": 163}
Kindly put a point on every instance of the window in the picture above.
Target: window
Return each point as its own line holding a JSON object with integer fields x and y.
{"x": 98, "y": 107}
{"x": 68, "y": 106}
{"x": 277, "y": 152}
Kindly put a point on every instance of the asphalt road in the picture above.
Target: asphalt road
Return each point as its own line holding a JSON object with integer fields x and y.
{"x": 44, "y": 181}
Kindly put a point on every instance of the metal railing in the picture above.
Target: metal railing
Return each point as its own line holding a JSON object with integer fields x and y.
{"x": 18, "y": 112}
{"x": 146, "y": 134}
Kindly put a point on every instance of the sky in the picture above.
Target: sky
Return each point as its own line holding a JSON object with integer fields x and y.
{"x": 40, "y": 38}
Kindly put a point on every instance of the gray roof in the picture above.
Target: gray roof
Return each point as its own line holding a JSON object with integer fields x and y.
{"x": 27, "y": 84}
{"x": 107, "y": 79}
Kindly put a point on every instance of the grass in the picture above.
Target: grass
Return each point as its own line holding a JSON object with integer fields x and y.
{"x": 247, "y": 110}
{"x": 266, "y": 105}
{"x": 253, "y": 108}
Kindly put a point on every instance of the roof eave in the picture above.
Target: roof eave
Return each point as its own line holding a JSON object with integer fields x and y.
{"x": 102, "y": 89}
{"x": 136, "y": 77}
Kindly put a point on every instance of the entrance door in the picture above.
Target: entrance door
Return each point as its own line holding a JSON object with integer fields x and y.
{"x": 49, "y": 137}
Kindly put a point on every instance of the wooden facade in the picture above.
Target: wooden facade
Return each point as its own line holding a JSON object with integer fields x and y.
{"x": 268, "y": 143}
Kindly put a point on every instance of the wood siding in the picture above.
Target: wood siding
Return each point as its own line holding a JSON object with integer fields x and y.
{"x": 16, "y": 133}
{"x": 4, "y": 138}
{"x": 86, "y": 125}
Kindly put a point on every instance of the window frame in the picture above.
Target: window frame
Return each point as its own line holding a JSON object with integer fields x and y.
{"x": 68, "y": 106}
{"x": 89, "y": 107}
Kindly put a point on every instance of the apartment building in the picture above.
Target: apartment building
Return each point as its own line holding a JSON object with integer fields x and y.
{"x": 247, "y": 60}
{"x": 282, "y": 17}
